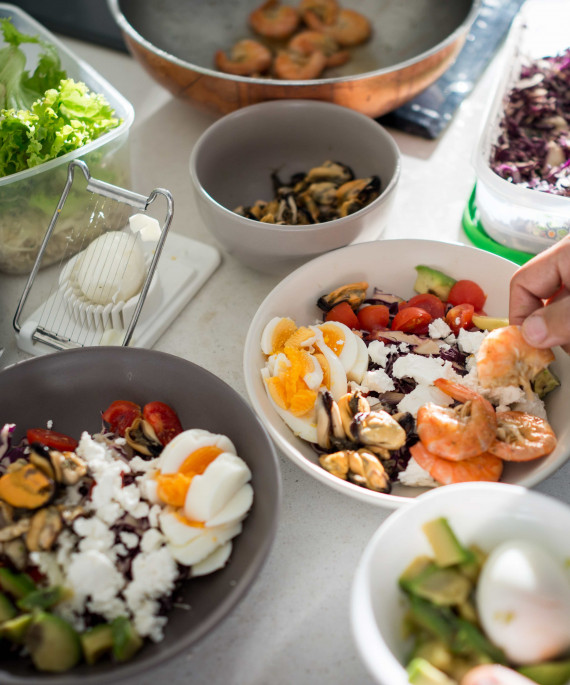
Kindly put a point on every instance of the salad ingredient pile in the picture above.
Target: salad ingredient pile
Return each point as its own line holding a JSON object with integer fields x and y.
{"x": 467, "y": 607}
{"x": 98, "y": 535}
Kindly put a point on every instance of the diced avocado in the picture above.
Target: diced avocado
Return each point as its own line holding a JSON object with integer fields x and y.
{"x": 15, "y": 629}
{"x": 446, "y": 547}
{"x": 470, "y": 641}
{"x": 42, "y": 598}
{"x": 416, "y": 568}
{"x": 96, "y": 642}
{"x": 421, "y": 672}
{"x": 442, "y": 586}
{"x": 126, "y": 641}
{"x": 472, "y": 567}
{"x": 52, "y": 643}
{"x": 489, "y": 323}
{"x": 439, "y": 622}
{"x": 16, "y": 584}
{"x": 467, "y": 611}
{"x": 7, "y": 609}
{"x": 434, "y": 651}
{"x": 544, "y": 382}
{"x": 433, "y": 281}
{"x": 548, "y": 672}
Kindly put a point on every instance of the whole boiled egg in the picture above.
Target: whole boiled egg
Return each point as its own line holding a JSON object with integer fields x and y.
{"x": 523, "y": 601}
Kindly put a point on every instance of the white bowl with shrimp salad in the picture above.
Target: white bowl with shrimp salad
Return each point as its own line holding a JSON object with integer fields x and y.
{"x": 390, "y": 267}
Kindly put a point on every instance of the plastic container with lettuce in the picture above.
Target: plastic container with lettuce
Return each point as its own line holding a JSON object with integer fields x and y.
{"x": 49, "y": 116}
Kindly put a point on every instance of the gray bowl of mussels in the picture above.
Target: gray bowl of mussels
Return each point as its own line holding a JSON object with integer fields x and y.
{"x": 280, "y": 182}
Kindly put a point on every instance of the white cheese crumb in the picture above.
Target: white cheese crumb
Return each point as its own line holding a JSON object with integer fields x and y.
{"x": 416, "y": 476}
{"x": 438, "y": 329}
{"x": 420, "y": 395}
{"x": 379, "y": 351}
{"x": 422, "y": 369}
{"x": 470, "y": 341}
{"x": 378, "y": 381}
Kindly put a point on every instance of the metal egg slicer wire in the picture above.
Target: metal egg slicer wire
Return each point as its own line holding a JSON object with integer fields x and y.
{"x": 107, "y": 267}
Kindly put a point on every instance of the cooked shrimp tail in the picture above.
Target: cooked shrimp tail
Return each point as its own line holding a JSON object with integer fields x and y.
{"x": 295, "y": 66}
{"x": 522, "y": 437}
{"x": 247, "y": 57}
{"x": 483, "y": 467}
{"x": 274, "y": 20}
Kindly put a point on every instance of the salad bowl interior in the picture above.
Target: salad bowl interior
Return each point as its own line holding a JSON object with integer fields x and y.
{"x": 390, "y": 266}
{"x": 71, "y": 389}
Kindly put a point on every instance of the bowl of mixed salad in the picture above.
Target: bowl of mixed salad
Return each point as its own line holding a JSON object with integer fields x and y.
{"x": 139, "y": 497}
{"x": 460, "y": 590}
{"x": 386, "y": 368}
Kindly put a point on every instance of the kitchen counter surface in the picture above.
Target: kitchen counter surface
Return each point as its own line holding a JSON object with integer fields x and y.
{"x": 293, "y": 625}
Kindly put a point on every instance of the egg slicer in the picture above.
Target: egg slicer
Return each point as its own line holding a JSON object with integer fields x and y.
{"x": 107, "y": 285}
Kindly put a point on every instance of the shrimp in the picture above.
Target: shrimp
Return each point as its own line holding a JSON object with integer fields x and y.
{"x": 273, "y": 20}
{"x": 318, "y": 12}
{"x": 247, "y": 57}
{"x": 484, "y": 466}
{"x": 522, "y": 437}
{"x": 307, "y": 42}
{"x": 505, "y": 358}
{"x": 461, "y": 432}
{"x": 350, "y": 27}
{"x": 295, "y": 66}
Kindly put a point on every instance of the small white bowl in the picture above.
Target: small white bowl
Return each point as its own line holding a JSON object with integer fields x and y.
{"x": 389, "y": 264}
{"x": 232, "y": 162}
{"x": 485, "y": 514}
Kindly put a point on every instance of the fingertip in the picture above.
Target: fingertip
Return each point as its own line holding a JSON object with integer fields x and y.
{"x": 534, "y": 329}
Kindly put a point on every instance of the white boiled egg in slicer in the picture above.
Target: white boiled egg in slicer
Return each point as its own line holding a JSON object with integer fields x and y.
{"x": 187, "y": 443}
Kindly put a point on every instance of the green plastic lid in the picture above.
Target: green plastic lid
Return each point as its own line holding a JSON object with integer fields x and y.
{"x": 477, "y": 235}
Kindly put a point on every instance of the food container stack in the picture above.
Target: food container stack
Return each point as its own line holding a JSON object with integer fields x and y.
{"x": 29, "y": 197}
{"x": 522, "y": 160}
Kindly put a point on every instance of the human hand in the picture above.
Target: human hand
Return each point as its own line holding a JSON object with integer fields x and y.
{"x": 540, "y": 297}
{"x": 493, "y": 674}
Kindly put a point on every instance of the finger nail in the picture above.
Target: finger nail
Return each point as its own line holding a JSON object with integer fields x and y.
{"x": 534, "y": 329}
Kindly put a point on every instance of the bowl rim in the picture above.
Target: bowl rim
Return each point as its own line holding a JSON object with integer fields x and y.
{"x": 368, "y": 639}
{"x": 301, "y": 104}
{"x": 126, "y": 27}
{"x": 258, "y": 556}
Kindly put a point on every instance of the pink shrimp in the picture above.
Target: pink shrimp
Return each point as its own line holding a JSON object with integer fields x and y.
{"x": 294, "y": 66}
{"x": 349, "y": 28}
{"x": 522, "y": 437}
{"x": 247, "y": 57}
{"x": 318, "y": 12}
{"x": 483, "y": 467}
{"x": 307, "y": 42}
{"x": 274, "y": 20}
{"x": 461, "y": 432}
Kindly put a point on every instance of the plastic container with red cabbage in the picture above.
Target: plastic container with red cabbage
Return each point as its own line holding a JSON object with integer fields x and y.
{"x": 527, "y": 206}
{"x": 29, "y": 198}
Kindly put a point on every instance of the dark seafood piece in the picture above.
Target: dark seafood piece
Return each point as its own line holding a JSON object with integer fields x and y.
{"x": 353, "y": 293}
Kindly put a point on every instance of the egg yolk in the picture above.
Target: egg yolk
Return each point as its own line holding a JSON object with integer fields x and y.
{"x": 282, "y": 332}
{"x": 333, "y": 337}
{"x": 173, "y": 487}
{"x": 288, "y": 389}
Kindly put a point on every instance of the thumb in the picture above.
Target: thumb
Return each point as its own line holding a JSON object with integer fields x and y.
{"x": 549, "y": 326}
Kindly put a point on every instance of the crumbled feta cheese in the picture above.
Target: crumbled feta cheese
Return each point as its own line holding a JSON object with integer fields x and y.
{"x": 378, "y": 381}
{"x": 415, "y": 476}
{"x": 130, "y": 540}
{"x": 404, "y": 347}
{"x": 420, "y": 395}
{"x": 438, "y": 329}
{"x": 379, "y": 351}
{"x": 470, "y": 341}
{"x": 152, "y": 540}
{"x": 422, "y": 369}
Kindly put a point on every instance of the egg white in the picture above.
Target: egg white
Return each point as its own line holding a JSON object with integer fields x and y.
{"x": 203, "y": 545}
{"x": 360, "y": 367}
{"x": 268, "y": 334}
{"x": 349, "y": 350}
{"x": 338, "y": 379}
{"x": 214, "y": 561}
{"x": 177, "y": 450}
{"x": 236, "y": 508}
{"x": 176, "y": 530}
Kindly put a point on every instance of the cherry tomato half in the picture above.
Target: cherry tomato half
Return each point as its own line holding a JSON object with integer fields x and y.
{"x": 460, "y": 316}
{"x": 467, "y": 292}
{"x": 164, "y": 421}
{"x": 373, "y": 316}
{"x": 343, "y": 313}
{"x": 120, "y": 415}
{"x": 412, "y": 320}
{"x": 428, "y": 302}
{"x": 52, "y": 439}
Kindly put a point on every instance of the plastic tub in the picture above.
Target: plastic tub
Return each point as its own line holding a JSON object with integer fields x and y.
{"x": 29, "y": 198}
{"x": 514, "y": 216}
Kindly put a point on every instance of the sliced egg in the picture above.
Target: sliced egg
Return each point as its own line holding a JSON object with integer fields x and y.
{"x": 276, "y": 333}
{"x": 341, "y": 340}
{"x": 210, "y": 492}
{"x": 204, "y": 544}
{"x": 235, "y": 510}
{"x": 334, "y": 373}
{"x": 523, "y": 600}
{"x": 360, "y": 367}
{"x": 193, "y": 443}
{"x": 177, "y": 529}
{"x": 216, "y": 560}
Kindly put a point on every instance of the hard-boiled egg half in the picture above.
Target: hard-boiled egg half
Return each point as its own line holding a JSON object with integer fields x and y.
{"x": 205, "y": 487}
{"x": 300, "y": 360}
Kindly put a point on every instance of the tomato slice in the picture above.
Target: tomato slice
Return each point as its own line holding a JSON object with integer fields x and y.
{"x": 460, "y": 316}
{"x": 52, "y": 439}
{"x": 120, "y": 415}
{"x": 428, "y": 302}
{"x": 373, "y": 316}
{"x": 467, "y": 292}
{"x": 412, "y": 320}
{"x": 343, "y": 313}
{"x": 164, "y": 421}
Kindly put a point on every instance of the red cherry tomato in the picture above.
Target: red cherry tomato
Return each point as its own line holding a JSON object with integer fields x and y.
{"x": 343, "y": 313}
{"x": 52, "y": 439}
{"x": 373, "y": 316}
{"x": 120, "y": 415}
{"x": 460, "y": 316}
{"x": 428, "y": 302}
{"x": 412, "y": 320}
{"x": 467, "y": 292}
{"x": 164, "y": 421}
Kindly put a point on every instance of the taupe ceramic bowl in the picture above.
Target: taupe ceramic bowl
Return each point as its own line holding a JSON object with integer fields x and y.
{"x": 71, "y": 388}
{"x": 413, "y": 43}
{"x": 232, "y": 162}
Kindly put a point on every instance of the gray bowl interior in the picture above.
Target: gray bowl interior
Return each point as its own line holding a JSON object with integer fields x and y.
{"x": 403, "y": 31}
{"x": 71, "y": 389}
{"x": 235, "y": 158}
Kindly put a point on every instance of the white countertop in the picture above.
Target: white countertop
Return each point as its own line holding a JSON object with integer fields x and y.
{"x": 293, "y": 625}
